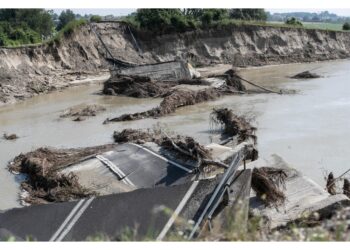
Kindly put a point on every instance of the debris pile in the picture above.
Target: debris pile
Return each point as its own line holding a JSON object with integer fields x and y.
{"x": 267, "y": 183}
{"x": 233, "y": 80}
{"x": 188, "y": 147}
{"x": 44, "y": 183}
{"x": 10, "y": 137}
{"x": 79, "y": 112}
{"x": 305, "y": 75}
{"x": 232, "y": 124}
{"x": 184, "y": 147}
{"x": 183, "y": 144}
{"x": 173, "y": 100}
{"x": 331, "y": 184}
{"x": 135, "y": 86}
{"x": 143, "y": 86}
{"x": 195, "y": 81}
{"x": 134, "y": 135}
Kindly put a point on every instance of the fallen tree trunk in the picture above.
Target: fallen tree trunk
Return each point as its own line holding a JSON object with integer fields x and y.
{"x": 259, "y": 86}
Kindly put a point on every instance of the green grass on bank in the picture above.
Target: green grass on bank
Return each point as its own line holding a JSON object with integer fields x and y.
{"x": 56, "y": 38}
{"x": 70, "y": 27}
{"x": 318, "y": 26}
{"x": 15, "y": 35}
{"x": 225, "y": 23}
{"x": 324, "y": 26}
{"x": 67, "y": 30}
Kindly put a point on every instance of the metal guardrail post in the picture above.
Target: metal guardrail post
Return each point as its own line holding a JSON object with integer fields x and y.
{"x": 218, "y": 192}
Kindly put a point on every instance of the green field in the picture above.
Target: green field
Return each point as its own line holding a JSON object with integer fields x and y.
{"x": 322, "y": 26}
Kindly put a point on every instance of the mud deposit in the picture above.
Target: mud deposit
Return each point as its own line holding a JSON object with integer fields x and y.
{"x": 310, "y": 129}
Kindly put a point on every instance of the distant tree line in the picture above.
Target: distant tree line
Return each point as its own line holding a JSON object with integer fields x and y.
{"x": 20, "y": 26}
{"x": 346, "y": 26}
{"x": 165, "y": 20}
{"x": 28, "y": 26}
{"x": 323, "y": 16}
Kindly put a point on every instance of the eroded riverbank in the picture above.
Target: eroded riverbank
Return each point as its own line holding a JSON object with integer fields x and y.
{"x": 294, "y": 126}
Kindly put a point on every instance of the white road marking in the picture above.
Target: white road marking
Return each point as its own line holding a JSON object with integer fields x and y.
{"x": 177, "y": 211}
{"x": 71, "y": 214}
{"x": 163, "y": 158}
{"x": 75, "y": 219}
{"x": 115, "y": 169}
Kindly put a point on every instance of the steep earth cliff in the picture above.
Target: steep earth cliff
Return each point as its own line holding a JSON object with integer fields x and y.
{"x": 31, "y": 70}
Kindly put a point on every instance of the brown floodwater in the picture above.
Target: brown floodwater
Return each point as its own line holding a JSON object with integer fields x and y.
{"x": 310, "y": 129}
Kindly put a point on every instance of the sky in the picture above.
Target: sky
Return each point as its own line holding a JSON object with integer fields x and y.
{"x": 124, "y": 12}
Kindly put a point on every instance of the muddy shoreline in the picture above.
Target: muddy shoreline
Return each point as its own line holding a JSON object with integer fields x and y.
{"x": 28, "y": 71}
{"x": 62, "y": 83}
{"x": 42, "y": 88}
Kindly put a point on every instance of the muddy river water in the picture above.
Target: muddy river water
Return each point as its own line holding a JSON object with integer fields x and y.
{"x": 310, "y": 129}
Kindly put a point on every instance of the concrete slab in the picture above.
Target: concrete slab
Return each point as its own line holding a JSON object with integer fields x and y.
{"x": 174, "y": 70}
{"x": 303, "y": 195}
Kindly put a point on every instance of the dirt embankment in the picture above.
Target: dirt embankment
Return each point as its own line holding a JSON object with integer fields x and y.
{"x": 28, "y": 71}
{"x": 249, "y": 45}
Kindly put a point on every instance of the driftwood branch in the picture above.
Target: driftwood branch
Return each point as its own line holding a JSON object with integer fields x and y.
{"x": 178, "y": 148}
{"x": 251, "y": 83}
{"x": 197, "y": 157}
{"x": 258, "y": 86}
{"x": 340, "y": 176}
{"x": 217, "y": 163}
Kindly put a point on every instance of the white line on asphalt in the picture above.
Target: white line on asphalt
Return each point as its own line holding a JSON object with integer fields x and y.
{"x": 115, "y": 169}
{"x": 75, "y": 219}
{"x": 163, "y": 158}
{"x": 177, "y": 211}
{"x": 71, "y": 214}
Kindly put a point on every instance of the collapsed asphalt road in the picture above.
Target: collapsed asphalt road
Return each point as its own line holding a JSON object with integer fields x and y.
{"x": 100, "y": 170}
{"x": 151, "y": 213}
{"x": 167, "y": 173}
